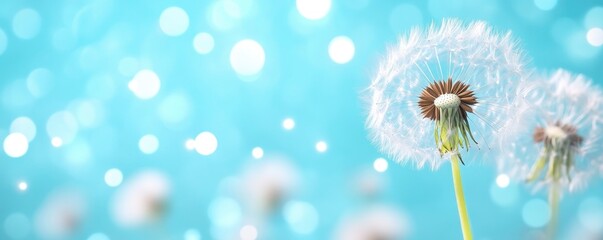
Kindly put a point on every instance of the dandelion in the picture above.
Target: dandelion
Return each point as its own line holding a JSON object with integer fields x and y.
{"x": 444, "y": 90}
{"x": 61, "y": 215}
{"x": 267, "y": 184}
{"x": 142, "y": 199}
{"x": 560, "y": 148}
{"x": 379, "y": 222}
{"x": 369, "y": 185}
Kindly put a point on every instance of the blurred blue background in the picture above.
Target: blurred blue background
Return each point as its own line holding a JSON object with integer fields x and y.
{"x": 215, "y": 100}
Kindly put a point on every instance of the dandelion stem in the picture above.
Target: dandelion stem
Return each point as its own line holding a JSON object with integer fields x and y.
{"x": 554, "y": 209}
{"x": 460, "y": 197}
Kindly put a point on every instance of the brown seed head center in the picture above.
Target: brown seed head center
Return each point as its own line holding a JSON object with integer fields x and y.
{"x": 436, "y": 89}
{"x": 549, "y": 133}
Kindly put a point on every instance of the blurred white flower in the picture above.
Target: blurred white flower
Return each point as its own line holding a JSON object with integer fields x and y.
{"x": 266, "y": 184}
{"x": 378, "y": 222}
{"x": 61, "y": 215}
{"x": 142, "y": 199}
{"x": 562, "y": 133}
{"x": 463, "y": 77}
{"x": 369, "y": 184}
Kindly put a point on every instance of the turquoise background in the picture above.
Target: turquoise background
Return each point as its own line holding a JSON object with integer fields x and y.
{"x": 84, "y": 43}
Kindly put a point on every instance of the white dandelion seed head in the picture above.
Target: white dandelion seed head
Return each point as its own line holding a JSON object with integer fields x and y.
{"x": 558, "y": 97}
{"x": 369, "y": 184}
{"x": 475, "y": 54}
{"x": 142, "y": 199}
{"x": 61, "y": 215}
{"x": 375, "y": 222}
{"x": 267, "y": 184}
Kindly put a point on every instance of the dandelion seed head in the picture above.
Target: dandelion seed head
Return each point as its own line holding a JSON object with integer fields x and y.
{"x": 563, "y": 109}
{"x": 375, "y": 222}
{"x": 267, "y": 184}
{"x": 447, "y": 100}
{"x": 471, "y": 54}
{"x": 142, "y": 199}
{"x": 61, "y": 214}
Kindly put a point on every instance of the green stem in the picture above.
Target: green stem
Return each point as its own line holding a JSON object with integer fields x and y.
{"x": 460, "y": 197}
{"x": 554, "y": 209}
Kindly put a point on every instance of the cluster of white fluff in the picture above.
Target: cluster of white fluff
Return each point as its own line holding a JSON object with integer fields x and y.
{"x": 61, "y": 215}
{"x": 565, "y": 97}
{"x": 490, "y": 63}
{"x": 267, "y": 184}
{"x": 512, "y": 101}
{"x": 141, "y": 199}
{"x": 375, "y": 222}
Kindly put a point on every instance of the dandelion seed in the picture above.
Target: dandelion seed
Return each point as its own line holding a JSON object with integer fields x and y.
{"x": 455, "y": 85}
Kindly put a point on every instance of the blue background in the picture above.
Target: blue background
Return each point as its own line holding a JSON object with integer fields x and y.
{"x": 80, "y": 42}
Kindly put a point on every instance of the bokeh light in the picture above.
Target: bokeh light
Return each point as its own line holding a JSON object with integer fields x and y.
{"x": 288, "y": 124}
{"x": 247, "y": 58}
{"x": 503, "y": 180}
{"x": 190, "y": 144}
{"x": 380, "y": 165}
{"x": 192, "y": 234}
{"x": 88, "y": 113}
{"x": 56, "y": 141}
{"x": 224, "y": 212}
{"x": 148, "y": 144}
{"x": 313, "y": 9}
{"x": 113, "y": 177}
{"x": 248, "y": 232}
{"x": 203, "y": 43}
{"x": 22, "y": 186}
{"x": 321, "y": 146}
{"x": 39, "y": 82}
{"x": 545, "y": 5}
{"x": 25, "y": 126}
{"x": 62, "y": 127}
{"x": 174, "y": 108}
{"x": 301, "y": 217}
{"x": 504, "y": 196}
{"x": 206, "y": 143}
{"x": 578, "y": 47}
{"x": 98, "y": 236}
{"x": 594, "y": 17}
{"x": 591, "y": 214}
{"x": 27, "y": 23}
{"x": 78, "y": 154}
{"x": 594, "y": 36}
{"x": 257, "y": 152}
{"x": 341, "y": 49}
{"x": 173, "y": 21}
{"x": 535, "y": 213}
{"x": 145, "y": 84}
{"x": 16, "y": 145}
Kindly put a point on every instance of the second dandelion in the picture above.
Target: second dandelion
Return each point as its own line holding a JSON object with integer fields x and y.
{"x": 560, "y": 148}
{"x": 443, "y": 90}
